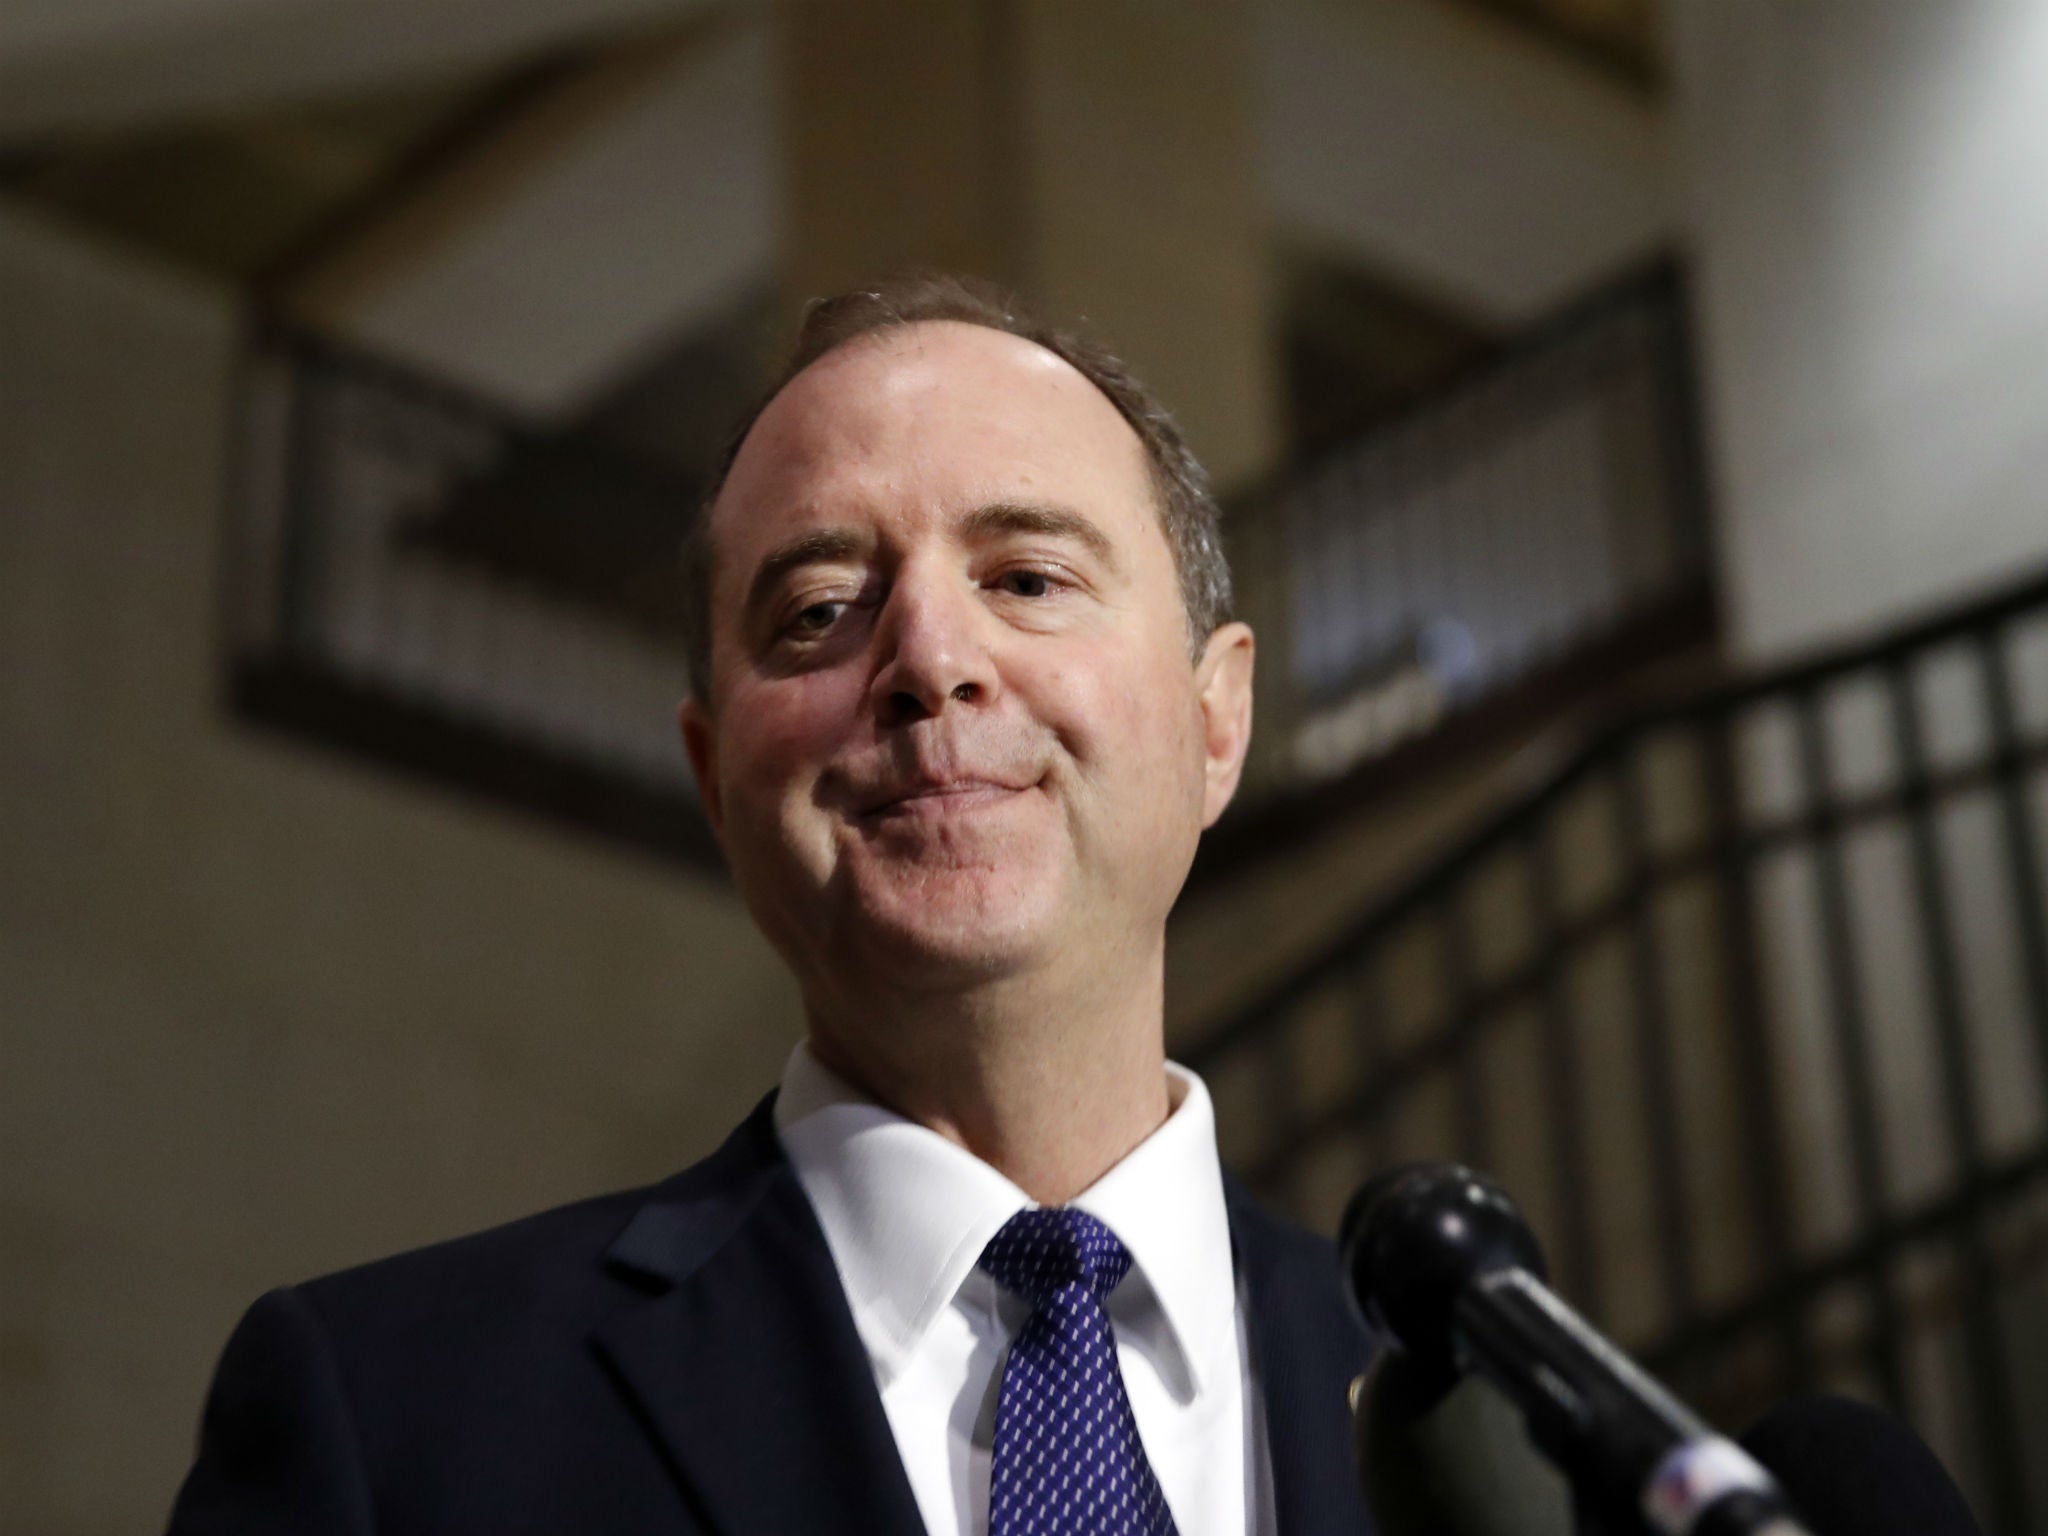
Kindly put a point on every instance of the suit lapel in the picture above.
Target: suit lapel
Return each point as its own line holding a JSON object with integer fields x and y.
{"x": 744, "y": 1361}
{"x": 1306, "y": 1348}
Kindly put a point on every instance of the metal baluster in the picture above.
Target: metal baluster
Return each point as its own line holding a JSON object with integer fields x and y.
{"x": 1653, "y": 1042}
{"x": 1850, "y": 1032}
{"x": 1309, "y": 575}
{"x": 1426, "y": 585}
{"x": 1402, "y": 479}
{"x": 2022, "y": 842}
{"x": 1763, "y": 1140}
{"x": 1459, "y": 599}
{"x": 1983, "y": 1336}
{"x": 1369, "y": 1037}
{"x": 1679, "y": 415}
{"x": 1267, "y": 536}
{"x": 1280, "y": 1078}
{"x": 299, "y": 557}
{"x": 1361, "y": 617}
{"x": 1454, "y": 951}
{"x": 1563, "y": 1081}
{"x": 1564, "y": 554}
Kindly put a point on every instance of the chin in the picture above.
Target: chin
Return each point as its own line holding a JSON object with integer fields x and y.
{"x": 956, "y": 925}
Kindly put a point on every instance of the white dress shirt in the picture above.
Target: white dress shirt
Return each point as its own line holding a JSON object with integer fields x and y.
{"x": 907, "y": 1213}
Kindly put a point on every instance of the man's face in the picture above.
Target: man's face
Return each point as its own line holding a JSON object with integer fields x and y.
{"x": 955, "y": 730}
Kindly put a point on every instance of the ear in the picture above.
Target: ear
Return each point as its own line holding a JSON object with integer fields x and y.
{"x": 700, "y": 741}
{"x": 1224, "y": 678}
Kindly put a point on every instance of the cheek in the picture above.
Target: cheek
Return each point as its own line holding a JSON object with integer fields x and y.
{"x": 1134, "y": 719}
{"x": 778, "y": 738}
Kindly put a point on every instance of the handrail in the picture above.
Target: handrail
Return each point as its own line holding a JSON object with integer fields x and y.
{"x": 1846, "y": 863}
{"x": 1549, "y": 767}
{"x": 1546, "y": 498}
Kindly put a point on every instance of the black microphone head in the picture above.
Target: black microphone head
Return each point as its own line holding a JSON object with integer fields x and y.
{"x": 1853, "y": 1470}
{"x": 1414, "y": 1236}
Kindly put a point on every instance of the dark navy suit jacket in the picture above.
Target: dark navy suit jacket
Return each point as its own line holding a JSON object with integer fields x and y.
{"x": 673, "y": 1360}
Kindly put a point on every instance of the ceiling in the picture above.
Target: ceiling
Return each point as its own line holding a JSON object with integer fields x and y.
{"x": 611, "y": 172}
{"x": 236, "y": 195}
{"x": 1620, "y": 36}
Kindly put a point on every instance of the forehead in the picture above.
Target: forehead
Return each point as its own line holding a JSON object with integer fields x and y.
{"x": 926, "y": 420}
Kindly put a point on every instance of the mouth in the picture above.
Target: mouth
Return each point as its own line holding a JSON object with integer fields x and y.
{"x": 930, "y": 801}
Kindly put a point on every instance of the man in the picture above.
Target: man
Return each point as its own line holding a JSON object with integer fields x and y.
{"x": 964, "y": 696}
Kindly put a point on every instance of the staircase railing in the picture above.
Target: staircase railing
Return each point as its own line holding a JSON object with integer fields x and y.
{"x": 1746, "y": 999}
{"x": 1548, "y": 499}
{"x": 419, "y": 577}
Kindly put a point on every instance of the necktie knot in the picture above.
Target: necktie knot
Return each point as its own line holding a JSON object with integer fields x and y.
{"x": 1040, "y": 1252}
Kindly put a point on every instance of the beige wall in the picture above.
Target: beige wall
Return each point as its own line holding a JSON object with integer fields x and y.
{"x": 1475, "y": 162}
{"x": 1100, "y": 159}
{"x": 1137, "y": 138}
{"x": 263, "y": 1012}
{"x": 1861, "y": 186}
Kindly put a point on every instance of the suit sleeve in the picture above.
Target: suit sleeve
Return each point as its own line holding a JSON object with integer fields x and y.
{"x": 278, "y": 1448}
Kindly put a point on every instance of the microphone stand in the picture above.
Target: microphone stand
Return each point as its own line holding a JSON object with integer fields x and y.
{"x": 1639, "y": 1462}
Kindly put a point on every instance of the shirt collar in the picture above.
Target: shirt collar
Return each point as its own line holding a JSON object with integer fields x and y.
{"x": 1165, "y": 1201}
{"x": 907, "y": 1213}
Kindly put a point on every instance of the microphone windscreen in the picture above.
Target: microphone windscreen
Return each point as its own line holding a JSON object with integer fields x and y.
{"x": 1853, "y": 1470}
{"x": 1451, "y": 1462}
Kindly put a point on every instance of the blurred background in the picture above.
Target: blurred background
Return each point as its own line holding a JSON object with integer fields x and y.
{"x": 1633, "y": 420}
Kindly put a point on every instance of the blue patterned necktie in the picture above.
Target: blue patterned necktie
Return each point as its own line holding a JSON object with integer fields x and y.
{"x": 1067, "y": 1461}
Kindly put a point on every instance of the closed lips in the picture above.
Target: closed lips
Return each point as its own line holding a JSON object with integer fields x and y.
{"x": 941, "y": 796}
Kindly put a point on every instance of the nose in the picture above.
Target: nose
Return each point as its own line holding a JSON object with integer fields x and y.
{"x": 933, "y": 647}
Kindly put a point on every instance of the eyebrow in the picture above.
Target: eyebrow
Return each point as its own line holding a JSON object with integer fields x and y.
{"x": 806, "y": 549}
{"x": 1011, "y": 517}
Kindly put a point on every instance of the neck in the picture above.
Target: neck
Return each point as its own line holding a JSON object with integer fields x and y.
{"x": 1050, "y": 1088}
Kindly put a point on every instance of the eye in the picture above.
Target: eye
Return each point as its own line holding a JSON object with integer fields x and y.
{"x": 1026, "y": 583}
{"x": 816, "y": 618}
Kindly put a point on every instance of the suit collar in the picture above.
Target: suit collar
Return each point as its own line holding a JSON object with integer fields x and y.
{"x": 1298, "y": 1319}
{"x": 742, "y": 1357}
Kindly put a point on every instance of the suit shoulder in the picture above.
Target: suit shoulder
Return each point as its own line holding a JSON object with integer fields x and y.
{"x": 535, "y": 1255}
{"x": 549, "y": 1268}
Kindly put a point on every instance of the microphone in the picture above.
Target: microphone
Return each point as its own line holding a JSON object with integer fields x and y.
{"x": 1450, "y": 1458}
{"x": 1443, "y": 1267}
{"x": 1856, "y": 1471}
